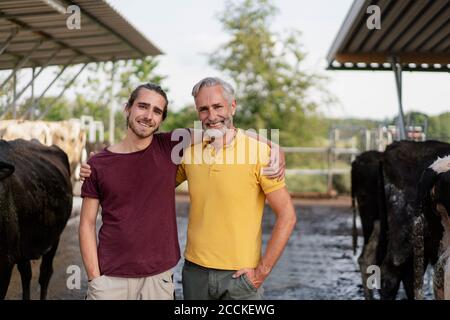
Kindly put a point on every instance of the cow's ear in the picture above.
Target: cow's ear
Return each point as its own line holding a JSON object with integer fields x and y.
{"x": 6, "y": 169}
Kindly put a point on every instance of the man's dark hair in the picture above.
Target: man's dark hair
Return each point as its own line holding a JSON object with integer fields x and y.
{"x": 149, "y": 86}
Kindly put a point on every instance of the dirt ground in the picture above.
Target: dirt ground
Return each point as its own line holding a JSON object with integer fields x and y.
{"x": 317, "y": 264}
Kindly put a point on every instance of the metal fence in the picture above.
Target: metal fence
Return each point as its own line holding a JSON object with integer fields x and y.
{"x": 331, "y": 154}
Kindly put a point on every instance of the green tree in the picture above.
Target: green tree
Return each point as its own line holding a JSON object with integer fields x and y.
{"x": 438, "y": 128}
{"x": 136, "y": 72}
{"x": 62, "y": 109}
{"x": 272, "y": 88}
{"x": 413, "y": 118}
{"x": 183, "y": 118}
{"x": 96, "y": 97}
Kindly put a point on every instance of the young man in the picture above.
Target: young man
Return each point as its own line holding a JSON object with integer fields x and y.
{"x": 228, "y": 191}
{"x": 134, "y": 182}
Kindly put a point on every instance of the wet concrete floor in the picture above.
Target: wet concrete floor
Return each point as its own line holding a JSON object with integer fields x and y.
{"x": 317, "y": 263}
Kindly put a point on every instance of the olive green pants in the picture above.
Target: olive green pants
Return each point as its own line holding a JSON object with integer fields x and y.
{"x": 200, "y": 283}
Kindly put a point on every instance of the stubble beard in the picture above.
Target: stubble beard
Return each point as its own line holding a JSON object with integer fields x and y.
{"x": 142, "y": 135}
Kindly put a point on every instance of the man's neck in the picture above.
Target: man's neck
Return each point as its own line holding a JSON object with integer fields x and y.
{"x": 131, "y": 143}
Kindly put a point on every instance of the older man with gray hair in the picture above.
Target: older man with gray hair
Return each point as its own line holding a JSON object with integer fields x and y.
{"x": 228, "y": 190}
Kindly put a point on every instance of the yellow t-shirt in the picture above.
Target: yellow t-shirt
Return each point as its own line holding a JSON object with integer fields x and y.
{"x": 227, "y": 192}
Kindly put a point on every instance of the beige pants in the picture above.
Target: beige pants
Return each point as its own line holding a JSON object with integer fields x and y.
{"x": 157, "y": 287}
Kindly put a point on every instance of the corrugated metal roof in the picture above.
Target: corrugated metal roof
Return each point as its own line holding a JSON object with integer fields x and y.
{"x": 104, "y": 34}
{"x": 416, "y": 32}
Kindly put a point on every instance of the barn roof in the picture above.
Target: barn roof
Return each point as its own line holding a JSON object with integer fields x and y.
{"x": 414, "y": 32}
{"x": 32, "y": 32}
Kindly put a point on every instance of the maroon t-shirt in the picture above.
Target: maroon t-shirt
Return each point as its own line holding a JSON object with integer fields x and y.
{"x": 136, "y": 191}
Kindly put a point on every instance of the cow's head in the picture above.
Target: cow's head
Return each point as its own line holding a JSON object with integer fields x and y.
{"x": 440, "y": 194}
{"x": 434, "y": 187}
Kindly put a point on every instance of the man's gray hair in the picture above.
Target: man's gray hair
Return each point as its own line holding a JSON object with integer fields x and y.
{"x": 228, "y": 91}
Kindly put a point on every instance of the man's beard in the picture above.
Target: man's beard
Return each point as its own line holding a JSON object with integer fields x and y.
{"x": 217, "y": 133}
{"x": 142, "y": 135}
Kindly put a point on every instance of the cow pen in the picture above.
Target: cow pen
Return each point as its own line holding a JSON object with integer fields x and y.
{"x": 318, "y": 262}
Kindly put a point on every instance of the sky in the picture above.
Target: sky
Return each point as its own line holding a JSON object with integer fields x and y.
{"x": 186, "y": 31}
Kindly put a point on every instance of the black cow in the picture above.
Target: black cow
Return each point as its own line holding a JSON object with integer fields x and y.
{"x": 35, "y": 204}
{"x": 364, "y": 182}
{"x": 402, "y": 166}
{"x": 433, "y": 225}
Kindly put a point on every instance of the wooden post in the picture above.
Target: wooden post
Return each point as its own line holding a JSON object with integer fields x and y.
{"x": 330, "y": 154}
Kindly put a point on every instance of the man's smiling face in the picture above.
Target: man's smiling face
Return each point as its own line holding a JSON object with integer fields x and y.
{"x": 146, "y": 113}
{"x": 214, "y": 110}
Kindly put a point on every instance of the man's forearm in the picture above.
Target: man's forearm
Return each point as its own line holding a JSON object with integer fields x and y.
{"x": 258, "y": 137}
{"x": 88, "y": 247}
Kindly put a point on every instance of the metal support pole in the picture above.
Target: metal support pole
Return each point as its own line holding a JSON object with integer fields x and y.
{"x": 368, "y": 136}
{"x": 101, "y": 131}
{"x": 112, "y": 108}
{"x": 33, "y": 78}
{"x": 382, "y": 138}
{"x": 9, "y": 39}
{"x": 425, "y": 128}
{"x": 397, "y": 68}
{"x": 48, "y": 87}
{"x": 330, "y": 170}
{"x": 22, "y": 62}
{"x": 63, "y": 91}
{"x": 14, "y": 95}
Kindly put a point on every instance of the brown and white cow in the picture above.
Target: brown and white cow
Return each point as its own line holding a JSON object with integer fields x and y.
{"x": 68, "y": 135}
